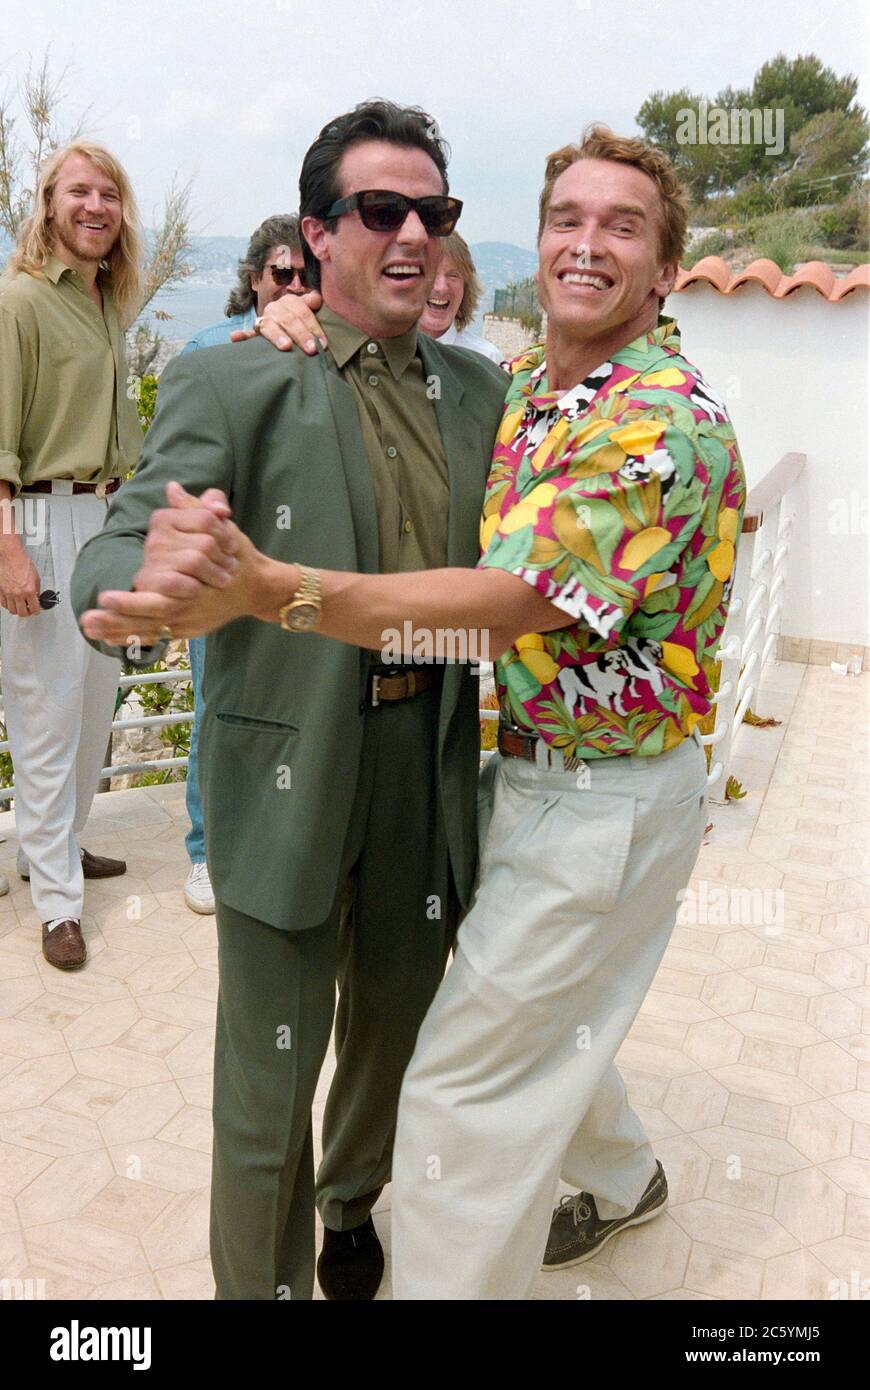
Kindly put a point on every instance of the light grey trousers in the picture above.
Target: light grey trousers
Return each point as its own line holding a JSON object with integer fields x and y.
{"x": 59, "y": 699}
{"x": 513, "y": 1082}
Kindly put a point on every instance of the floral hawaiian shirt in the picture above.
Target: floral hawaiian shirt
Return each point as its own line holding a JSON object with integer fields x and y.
{"x": 621, "y": 501}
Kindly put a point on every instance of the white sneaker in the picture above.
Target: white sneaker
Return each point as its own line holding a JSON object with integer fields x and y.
{"x": 198, "y": 892}
{"x": 4, "y": 885}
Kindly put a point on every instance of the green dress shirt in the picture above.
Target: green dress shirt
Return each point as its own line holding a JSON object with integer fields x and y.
{"x": 401, "y": 439}
{"x": 64, "y": 408}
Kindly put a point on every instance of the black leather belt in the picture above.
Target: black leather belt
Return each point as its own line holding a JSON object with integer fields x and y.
{"x": 101, "y": 489}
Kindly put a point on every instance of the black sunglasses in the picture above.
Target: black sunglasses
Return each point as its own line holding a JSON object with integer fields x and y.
{"x": 383, "y": 211}
{"x": 285, "y": 274}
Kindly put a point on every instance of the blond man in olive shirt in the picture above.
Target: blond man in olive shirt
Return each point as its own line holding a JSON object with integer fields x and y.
{"x": 68, "y": 433}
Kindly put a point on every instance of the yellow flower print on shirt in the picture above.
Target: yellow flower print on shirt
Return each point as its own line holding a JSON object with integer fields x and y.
{"x": 668, "y": 376}
{"x": 535, "y": 658}
{"x": 640, "y": 437}
{"x": 525, "y": 512}
{"x": 680, "y": 661}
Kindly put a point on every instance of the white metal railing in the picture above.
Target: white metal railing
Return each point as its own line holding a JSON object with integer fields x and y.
{"x": 755, "y": 611}
{"x": 146, "y": 721}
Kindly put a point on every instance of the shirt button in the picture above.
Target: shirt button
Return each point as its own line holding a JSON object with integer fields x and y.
{"x": 372, "y": 348}
{"x": 392, "y": 453}
{"x": 408, "y": 526}
{"x": 373, "y": 381}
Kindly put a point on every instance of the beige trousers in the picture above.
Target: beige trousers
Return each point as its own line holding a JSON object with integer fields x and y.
{"x": 513, "y": 1082}
{"x": 59, "y": 700}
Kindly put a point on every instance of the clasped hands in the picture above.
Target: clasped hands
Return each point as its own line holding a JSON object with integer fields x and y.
{"x": 199, "y": 572}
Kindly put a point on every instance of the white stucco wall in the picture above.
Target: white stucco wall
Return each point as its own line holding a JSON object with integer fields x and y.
{"x": 794, "y": 374}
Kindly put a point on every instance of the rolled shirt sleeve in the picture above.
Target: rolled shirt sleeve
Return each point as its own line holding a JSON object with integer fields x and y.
{"x": 14, "y": 362}
{"x": 599, "y": 537}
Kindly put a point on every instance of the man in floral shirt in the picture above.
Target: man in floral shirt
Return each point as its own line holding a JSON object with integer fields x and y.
{"x": 611, "y": 519}
{"x": 619, "y": 501}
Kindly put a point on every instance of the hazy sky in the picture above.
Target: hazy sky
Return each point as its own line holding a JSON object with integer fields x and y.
{"x": 232, "y": 92}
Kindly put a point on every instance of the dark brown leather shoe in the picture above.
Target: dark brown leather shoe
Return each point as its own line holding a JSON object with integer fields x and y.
{"x": 64, "y": 946}
{"x": 95, "y": 866}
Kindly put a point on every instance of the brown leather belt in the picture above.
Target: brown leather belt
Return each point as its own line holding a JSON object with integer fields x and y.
{"x": 110, "y": 485}
{"x": 515, "y": 743}
{"x": 389, "y": 683}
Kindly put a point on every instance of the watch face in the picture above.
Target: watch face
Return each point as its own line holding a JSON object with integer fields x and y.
{"x": 303, "y": 617}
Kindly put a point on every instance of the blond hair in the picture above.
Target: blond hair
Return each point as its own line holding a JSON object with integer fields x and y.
{"x": 36, "y": 240}
{"x": 455, "y": 249}
{"x": 599, "y": 142}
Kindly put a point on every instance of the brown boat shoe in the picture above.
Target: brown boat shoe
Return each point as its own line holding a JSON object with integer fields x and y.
{"x": 64, "y": 946}
{"x": 96, "y": 866}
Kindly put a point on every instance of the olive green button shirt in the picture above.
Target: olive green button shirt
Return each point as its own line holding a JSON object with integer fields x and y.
{"x": 64, "y": 408}
{"x": 401, "y": 439}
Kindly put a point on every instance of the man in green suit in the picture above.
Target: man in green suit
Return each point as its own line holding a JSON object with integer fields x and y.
{"x": 339, "y": 799}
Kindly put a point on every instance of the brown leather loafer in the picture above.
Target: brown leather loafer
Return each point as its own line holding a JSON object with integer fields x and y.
{"x": 95, "y": 866}
{"x": 64, "y": 946}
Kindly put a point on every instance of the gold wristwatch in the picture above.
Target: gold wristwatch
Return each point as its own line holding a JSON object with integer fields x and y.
{"x": 302, "y": 613}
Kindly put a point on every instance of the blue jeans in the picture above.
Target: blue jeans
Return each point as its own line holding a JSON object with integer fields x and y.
{"x": 195, "y": 841}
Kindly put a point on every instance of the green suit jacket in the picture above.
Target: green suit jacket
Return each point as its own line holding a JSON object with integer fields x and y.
{"x": 275, "y": 431}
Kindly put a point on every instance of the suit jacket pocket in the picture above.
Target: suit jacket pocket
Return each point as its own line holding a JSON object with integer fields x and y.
{"x": 256, "y": 724}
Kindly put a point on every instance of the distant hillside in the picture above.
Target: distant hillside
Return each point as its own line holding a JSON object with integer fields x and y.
{"x": 499, "y": 263}
{"x": 215, "y": 259}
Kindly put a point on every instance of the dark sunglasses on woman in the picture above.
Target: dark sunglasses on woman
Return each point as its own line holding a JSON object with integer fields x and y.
{"x": 383, "y": 211}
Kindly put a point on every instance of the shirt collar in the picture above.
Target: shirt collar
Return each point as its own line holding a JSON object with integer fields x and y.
{"x": 537, "y": 388}
{"x": 345, "y": 341}
{"x": 54, "y": 269}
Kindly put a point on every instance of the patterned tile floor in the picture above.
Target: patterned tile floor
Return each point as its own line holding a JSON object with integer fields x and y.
{"x": 749, "y": 1063}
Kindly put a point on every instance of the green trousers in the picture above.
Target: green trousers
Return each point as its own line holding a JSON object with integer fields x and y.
{"x": 386, "y": 943}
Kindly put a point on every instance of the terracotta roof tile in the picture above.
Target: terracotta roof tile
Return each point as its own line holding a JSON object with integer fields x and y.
{"x": 814, "y": 273}
{"x": 767, "y": 273}
{"x": 712, "y": 270}
{"x": 860, "y": 276}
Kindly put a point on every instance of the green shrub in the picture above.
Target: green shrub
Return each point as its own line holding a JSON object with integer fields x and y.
{"x": 753, "y": 199}
{"x": 712, "y": 243}
{"x": 7, "y": 776}
{"x": 146, "y": 400}
{"x": 784, "y": 238}
{"x": 847, "y": 223}
{"x": 176, "y": 698}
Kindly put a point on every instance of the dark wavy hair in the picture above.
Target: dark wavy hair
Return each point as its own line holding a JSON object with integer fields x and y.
{"x": 371, "y": 120}
{"x": 280, "y": 230}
